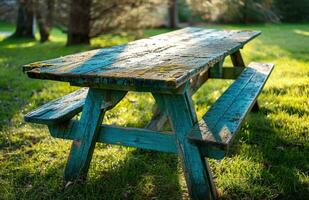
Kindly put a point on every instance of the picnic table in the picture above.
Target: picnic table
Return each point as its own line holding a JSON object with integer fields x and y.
{"x": 172, "y": 66}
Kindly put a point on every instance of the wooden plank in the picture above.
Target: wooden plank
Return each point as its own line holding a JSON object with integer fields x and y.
{"x": 165, "y": 61}
{"x": 224, "y": 118}
{"x": 125, "y": 136}
{"x": 198, "y": 176}
{"x": 96, "y": 103}
{"x": 217, "y": 69}
{"x": 237, "y": 60}
{"x": 59, "y": 110}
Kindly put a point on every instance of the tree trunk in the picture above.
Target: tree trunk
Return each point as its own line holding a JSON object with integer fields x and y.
{"x": 245, "y": 11}
{"x": 173, "y": 14}
{"x": 45, "y": 22}
{"x": 24, "y": 24}
{"x": 79, "y": 22}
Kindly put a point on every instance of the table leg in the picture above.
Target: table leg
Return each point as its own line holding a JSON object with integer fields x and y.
{"x": 96, "y": 104}
{"x": 217, "y": 68}
{"x": 238, "y": 61}
{"x": 159, "y": 118}
{"x": 179, "y": 109}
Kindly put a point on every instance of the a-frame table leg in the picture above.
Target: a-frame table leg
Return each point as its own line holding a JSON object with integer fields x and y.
{"x": 179, "y": 109}
{"x": 96, "y": 104}
{"x": 238, "y": 61}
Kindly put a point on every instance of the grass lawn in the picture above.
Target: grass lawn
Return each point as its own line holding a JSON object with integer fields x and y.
{"x": 268, "y": 160}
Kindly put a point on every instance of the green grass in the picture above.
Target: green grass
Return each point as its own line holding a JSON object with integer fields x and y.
{"x": 268, "y": 160}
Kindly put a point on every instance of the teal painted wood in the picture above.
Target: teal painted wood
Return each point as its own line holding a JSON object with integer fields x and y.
{"x": 130, "y": 137}
{"x": 59, "y": 110}
{"x": 237, "y": 60}
{"x": 96, "y": 103}
{"x": 217, "y": 69}
{"x": 161, "y": 62}
{"x": 66, "y": 130}
{"x": 198, "y": 176}
{"x": 223, "y": 120}
{"x": 227, "y": 73}
{"x": 159, "y": 118}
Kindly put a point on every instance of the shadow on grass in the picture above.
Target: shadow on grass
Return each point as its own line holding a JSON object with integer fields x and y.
{"x": 141, "y": 175}
{"x": 15, "y": 87}
{"x": 282, "y": 160}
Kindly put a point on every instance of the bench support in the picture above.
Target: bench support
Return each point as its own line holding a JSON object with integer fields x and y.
{"x": 180, "y": 110}
{"x": 96, "y": 104}
{"x": 116, "y": 135}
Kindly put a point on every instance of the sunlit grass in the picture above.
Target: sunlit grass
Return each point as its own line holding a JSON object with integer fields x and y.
{"x": 269, "y": 159}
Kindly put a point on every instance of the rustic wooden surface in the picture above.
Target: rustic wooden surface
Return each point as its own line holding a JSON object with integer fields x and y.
{"x": 238, "y": 61}
{"x": 97, "y": 103}
{"x": 124, "y": 136}
{"x": 59, "y": 110}
{"x": 224, "y": 118}
{"x": 179, "y": 109}
{"x": 163, "y": 61}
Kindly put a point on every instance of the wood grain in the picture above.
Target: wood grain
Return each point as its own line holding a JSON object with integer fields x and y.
{"x": 124, "y": 136}
{"x": 224, "y": 118}
{"x": 164, "y": 61}
{"x": 96, "y": 104}
{"x": 60, "y": 109}
{"x": 179, "y": 109}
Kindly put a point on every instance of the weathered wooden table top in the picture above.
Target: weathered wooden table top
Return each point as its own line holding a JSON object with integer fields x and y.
{"x": 164, "y": 61}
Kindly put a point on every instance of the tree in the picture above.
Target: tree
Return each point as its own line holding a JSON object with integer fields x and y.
{"x": 79, "y": 22}
{"x": 173, "y": 13}
{"x": 24, "y": 24}
{"x": 293, "y": 11}
{"x": 44, "y": 15}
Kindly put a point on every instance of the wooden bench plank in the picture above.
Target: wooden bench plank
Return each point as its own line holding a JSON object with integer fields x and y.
{"x": 59, "y": 110}
{"x": 164, "y": 61}
{"x": 224, "y": 118}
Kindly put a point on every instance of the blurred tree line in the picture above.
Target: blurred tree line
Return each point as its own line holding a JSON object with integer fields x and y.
{"x": 248, "y": 11}
{"x": 83, "y": 19}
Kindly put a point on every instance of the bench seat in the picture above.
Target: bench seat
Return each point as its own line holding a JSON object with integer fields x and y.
{"x": 59, "y": 110}
{"x": 215, "y": 132}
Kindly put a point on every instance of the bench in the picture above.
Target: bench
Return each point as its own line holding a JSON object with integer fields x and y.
{"x": 59, "y": 110}
{"x": 172, "y": 67}
{"x": 223, "y": 120}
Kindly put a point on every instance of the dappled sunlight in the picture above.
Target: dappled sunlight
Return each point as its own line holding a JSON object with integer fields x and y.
{"x": 3, "y": 61}
{"x": 243, "y": 176}
{"x": 21, "y": 45}
{"x": 2, "y": 38}
{"x": 111, "y": 40}
{"x": 59, "y": 39}
{"x": 135, "y": 110}
{"x": 301, "y": 32}
{"x": 262, "y": 51}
